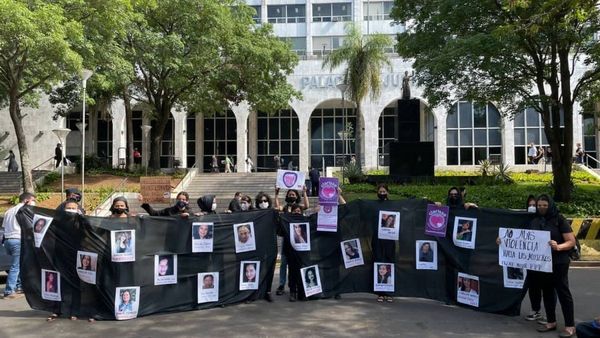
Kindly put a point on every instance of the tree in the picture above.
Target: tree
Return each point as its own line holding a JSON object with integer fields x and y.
{"x": 364, "y": 58}
{"x": 202, "y": 56}
{"x": 517, "y": 54}
{"x": 36, "y": 50}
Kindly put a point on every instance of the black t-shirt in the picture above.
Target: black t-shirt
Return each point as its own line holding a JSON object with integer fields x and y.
{"x": 557, "y": 226}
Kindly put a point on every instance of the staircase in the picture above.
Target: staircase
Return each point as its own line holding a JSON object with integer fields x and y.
{"x": 224, "y": 186}
{"x": 10, "y": 182}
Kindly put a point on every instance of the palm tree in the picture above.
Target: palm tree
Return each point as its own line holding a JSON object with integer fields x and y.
{"x": 364, "y": 57}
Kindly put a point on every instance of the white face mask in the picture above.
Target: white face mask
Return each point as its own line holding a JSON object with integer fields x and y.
{"x": 214, "y": 206}
{"x": 244, "y": 206}
{"x": 72, "y": 211}
{"x": 32, "y": 203}
{"x": 263, "y": 205}
{"x": 531, "y": 209}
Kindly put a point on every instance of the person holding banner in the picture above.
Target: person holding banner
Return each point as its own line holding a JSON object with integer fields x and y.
{"x": 263, "y": 201}
{"x": 292, "y": 197}
{"x": 455, "y": 200}
{"x": 383, "y": 250}
{"x": 119, "y": 208}
{"x": 562, "y": 240}
{"x": 181, "y": 207}
{"x": 207, "y": 205}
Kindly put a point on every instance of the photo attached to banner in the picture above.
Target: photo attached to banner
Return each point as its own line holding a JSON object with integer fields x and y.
{"x": 467, "y": 289}
{"x": 40, "y": 227}
{"x": 244, "y": 237}
{"x": 127, "y": 302}
{"x": 202, "y": 237}
{"x": 464, "y": 233}
{"x": 383, "y": 277}
{"x": 165, "y": 269}
{"x": 123, "y": 245}
{"x": 300, "y": 236}
{"x": 426, "y": 254}
{"x": 208, "y": 287}
{"x": 249, "y": 275}
{"x": 87, "y": 263}
{"x": 327, "y": 218}
{"x": 352, "y": 253}
{"x": 514, "y": 278}
{"x": 389, "y": 225}
{"x": 311, "y": 280}
{"x": 51, "y": 285}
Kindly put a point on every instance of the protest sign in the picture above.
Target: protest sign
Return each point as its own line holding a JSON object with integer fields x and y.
{"x": 527, "y": 249}
{"x": 288, "y": 179}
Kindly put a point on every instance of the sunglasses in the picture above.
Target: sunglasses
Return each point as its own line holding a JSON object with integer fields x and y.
{"x": 263, "y": 201}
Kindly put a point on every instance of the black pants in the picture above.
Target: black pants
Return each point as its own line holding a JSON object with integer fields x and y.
{"x": 558, "y": 281}
{"x": 586, "y": 330}
{"x": 314, "y": 188}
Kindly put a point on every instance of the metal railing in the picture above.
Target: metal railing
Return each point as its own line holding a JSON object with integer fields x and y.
{"x": 46, "y": 161}
{"x": 589, "y": 157}
{"x": 187, "y": 178}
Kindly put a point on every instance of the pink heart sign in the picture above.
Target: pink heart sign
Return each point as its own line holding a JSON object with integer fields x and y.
{"x": 289, "y": 179}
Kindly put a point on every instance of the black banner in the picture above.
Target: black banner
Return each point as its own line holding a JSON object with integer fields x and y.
{"x": 163, "y": 236}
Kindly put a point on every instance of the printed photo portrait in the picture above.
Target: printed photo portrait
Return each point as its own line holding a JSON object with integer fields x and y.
{"x": 300, "y": 236}
{"x": 464, "y": 232}
{"x": 311, "y": 280}
{"x": 389, "y": 225}
{"x": 426, "y": 253}
{"x": 51, "y": 285}
{"x": 249, "y": 275}
{"x": 208, "y": 287}
{"x": 123, "y": 245}
{"x": 127, "y": 302}
{"x": 383, "y": 277}
{"x": 40, "y": 227}
{"x": 352, "y": 253}
{"x": 165, "y": 269}
{"x": 514, "y": 278}
{"x": 202, "y": 237}
{"x": 467, "y": 287}
{"x": 86, "y": 266}
{"x": 244, "y": 237}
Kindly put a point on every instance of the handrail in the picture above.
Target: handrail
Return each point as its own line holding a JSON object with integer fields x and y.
{"x": 121, "y": 184}
{"x": 588, "y": 157}
{"x": 187, "y": 178}
{"x": 46, "y": 161}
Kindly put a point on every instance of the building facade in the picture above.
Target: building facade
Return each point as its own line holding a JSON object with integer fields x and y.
{"x": 317, "y": 130}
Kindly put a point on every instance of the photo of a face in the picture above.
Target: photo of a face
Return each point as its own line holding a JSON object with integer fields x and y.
{"x": 39, "y": 225}
{"x": 208, "y": 282}
{"x": 384, "y": 272}
{"x": 250, "y": 273}
{"x": 86, "y": 262}
{"x": 464, "y": 232}
{"x": 426, "y": 255}
{"x": 123, "y": 242}
{"x": 244, "y": 233}
{"x": 351, "y": 253}
{"x": 244, "y": 237}
{"x": 388, "y": 221}
{"x": 123, "y": 245}
{"x": 165, "y": 269}
{"x": 51, "y": 282}
{"x": 467, "y": 288}
{"x": 300, "y": 233}
{"x": 388, "y": 225}
{"x": 127, "y": 302}
{"x": 203, "y": 231}
{"x": 311, "y": 278}
{"x": 50, "y": 285}
{"x": 164, "y": 266}
{"x": 86, "y": 266}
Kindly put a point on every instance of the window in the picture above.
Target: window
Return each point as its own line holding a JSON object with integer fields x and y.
{"x": 136, "y": 124}
{"x": 286, "y": 13}
{"x": 332, "y": 12}
{"x": 104, "y": 143}
{"x": 529, "y": 128}
{"x": 472, "y": 133}
{"x": 328, "y": 139}
{"x": 377, "y": 10}
{"x": 256, "y": 16}
{"x": 190, "y": 136}
{"x": 589, "y": 138}
{"x": 298, "y": 44}
{"x": 323, "y": 45}
{"x": 219, "y": 138}
{"x": 167, "y": 146}
{"x": 278, "y": 134}
{"x": 387, "y": 132}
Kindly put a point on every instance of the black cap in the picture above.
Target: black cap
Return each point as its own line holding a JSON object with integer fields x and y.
{"x": 73, "y": 191}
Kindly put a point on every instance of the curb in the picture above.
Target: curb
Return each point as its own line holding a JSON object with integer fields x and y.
{"x": 585, "y": 264}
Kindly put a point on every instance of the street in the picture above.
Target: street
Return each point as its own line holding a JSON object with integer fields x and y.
{"x": 358, "y": 315}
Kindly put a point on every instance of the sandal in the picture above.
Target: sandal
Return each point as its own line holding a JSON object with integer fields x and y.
{"x": 73, "y": 318}
{"x": 52, "y": 317}
{"x": 389, "y": 299}
{"x": 380, "y": 299}
{"x": 91, "y": 320}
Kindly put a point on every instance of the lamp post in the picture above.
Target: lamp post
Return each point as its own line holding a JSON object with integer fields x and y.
{"x": 85, "y": 75}
{"x": 62, "y": 133}
{"x": 146, "y": 129}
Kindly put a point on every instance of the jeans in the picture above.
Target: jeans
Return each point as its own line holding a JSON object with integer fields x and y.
{"x": 13, "y": 282}
{"x": 282, "y": 270}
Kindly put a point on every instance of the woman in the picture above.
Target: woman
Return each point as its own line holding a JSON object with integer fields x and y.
{"x": 292, "y": 197}
{"x": 383, "y": 250}
{"x": 250, "y": 273}
{"x": 119, "y": 208}
{"x": 455, "y": 199}
{"x": 350, "y": 251}
{"x": 12, "y": 162}
{"x": 263, "y": 201}
{"x": 181, "y": 207}
{"x": 383, "y": 274}
{"x": 126, "y": 303}
{"x": 465, "y": 233}
{"x": 299, "y": 234}
{"x": 86, "y": 262}
{"x": 425, "y": 254}
{"x": 311, "y": 279}
{"x": 50, "y": 282}
{"x": 562, "y": 240}
{"x": 207, "y": 205}
{"x": 123, "y": 243}
{"x": 39, "y": 225}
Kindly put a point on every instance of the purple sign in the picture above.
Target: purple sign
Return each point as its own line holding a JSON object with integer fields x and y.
{"x": 327, "y": 218}
{"x": 328, "y": 190}
{"x": 437, "y": 219}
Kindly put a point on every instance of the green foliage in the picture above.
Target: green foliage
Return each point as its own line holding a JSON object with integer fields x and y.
{"x": 353, "y": 172}
{"x": 40, "y": 197}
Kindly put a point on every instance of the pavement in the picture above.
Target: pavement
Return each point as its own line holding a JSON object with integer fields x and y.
{"x": 357, "y": 315}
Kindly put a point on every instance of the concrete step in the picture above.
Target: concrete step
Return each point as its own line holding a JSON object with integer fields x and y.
{"x": 10, "y": 182}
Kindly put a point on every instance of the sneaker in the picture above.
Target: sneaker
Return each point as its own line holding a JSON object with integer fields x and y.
{"x": 542, "y": 321}
{"x": 535, "y": 315}
{"x": 14, "y": 295}
{"x": 279, "y": 291}
{"x": 20, "y": 291}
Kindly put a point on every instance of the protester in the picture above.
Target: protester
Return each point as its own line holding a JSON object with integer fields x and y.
{"x": 383, "y": 250}
{"x": 531, "y": 153}
{"x": 234, "y": 204}
{"x": 292, "y": 197}
{"x": 12, "y": 162}
{"x": 137, "y": 156}
{"x": 181, "y": 207}
{"x": 119, "y": 208}
{"x": 314, "y": 176}
{"x": 562, "y": 240}
{"x": 214, "y": 164}
{"x": 295, "y": 280}
{"x": 71, "y": 206}
{"x": 12, "y": 245}
{"x": 58, "y": 154}
{"x": 589, "y": 329}
{"x": 579, "y": 154}
{"x": 246, "y": 203}
{"x": 72, "y": 194}
{"x": 207, "y": 205}
{"x": 263, "y": 201}
{"x": 455, "y": 199}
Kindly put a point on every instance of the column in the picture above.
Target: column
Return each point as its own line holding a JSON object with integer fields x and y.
{"x": 180, "y": 138}
{"x": 199, "y": 155}
{"x": 440, "y": 132}
{"x": 371, "y": 135}
{"x": 146, "y": 128}
{"x": 241, "y": 113}
{"x": 309, "y": 15}
{"x": 253, "y": 136}
{"x": 508, "y": 140}
{"x": 119, "y": 128}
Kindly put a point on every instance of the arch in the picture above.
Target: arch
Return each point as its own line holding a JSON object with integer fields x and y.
{"x": 278, "y": 134}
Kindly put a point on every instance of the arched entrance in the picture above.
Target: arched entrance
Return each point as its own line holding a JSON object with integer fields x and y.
{"x": 331, "y": 131}
{"x": 277, "y": 135}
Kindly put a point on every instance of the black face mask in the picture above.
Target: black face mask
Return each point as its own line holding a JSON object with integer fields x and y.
{"x": 382, "y": 197}
{"x": 119, "y": 211}
{"x": 181, "y": 204}
{"x": 290, "y": 200}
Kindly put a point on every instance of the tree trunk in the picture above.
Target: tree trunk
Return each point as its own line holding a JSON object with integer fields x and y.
{"x": 561, "y": 170}
{"x": 157, "y": 133}
{"x": 359, "y": 137}
{"x": 129, "y": 121}
{"x": 15, "y": 116}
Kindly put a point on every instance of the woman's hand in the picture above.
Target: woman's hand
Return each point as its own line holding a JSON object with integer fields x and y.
{"x": 140, "y": 198}
{"x": 553, "y": 245}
